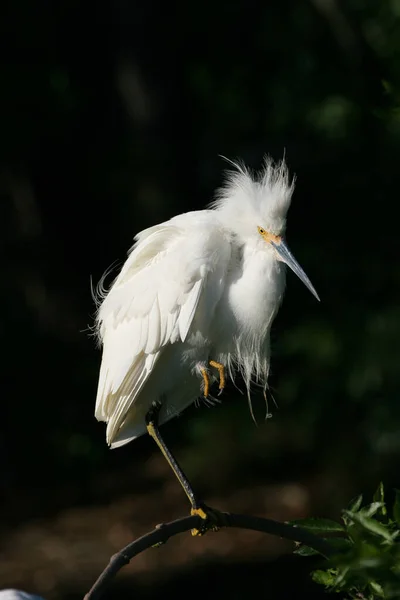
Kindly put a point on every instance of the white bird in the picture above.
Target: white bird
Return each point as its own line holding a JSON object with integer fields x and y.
{"x": 194, "y": 300}
{"x": 13, "y": 594}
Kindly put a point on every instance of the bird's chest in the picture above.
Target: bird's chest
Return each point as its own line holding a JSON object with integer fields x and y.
{"x": 253, "y": 292}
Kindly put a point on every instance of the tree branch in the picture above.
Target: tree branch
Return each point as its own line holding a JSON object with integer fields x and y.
{"x": 164, "y": 531}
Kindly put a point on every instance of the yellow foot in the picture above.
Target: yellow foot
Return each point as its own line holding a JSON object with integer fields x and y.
{"x": 221, "y": 371}
{"x": 206, "y": 379}
{"x": 210, "y": 518}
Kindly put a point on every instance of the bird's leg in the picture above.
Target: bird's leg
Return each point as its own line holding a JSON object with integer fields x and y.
{"x": 197, "y": 507}
{"x": 206, "y": 379}
{"x": 221, "y": 370}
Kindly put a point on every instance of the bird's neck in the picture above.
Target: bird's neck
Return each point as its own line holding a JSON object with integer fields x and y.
{"x": 260, "y": 287}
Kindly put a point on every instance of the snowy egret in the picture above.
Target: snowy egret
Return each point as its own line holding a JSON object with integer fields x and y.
{"x": 193, "y": 304}
{"x": 12, "y": 594}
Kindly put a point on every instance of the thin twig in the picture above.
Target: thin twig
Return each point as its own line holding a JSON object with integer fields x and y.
{"x": 164, "y": 531}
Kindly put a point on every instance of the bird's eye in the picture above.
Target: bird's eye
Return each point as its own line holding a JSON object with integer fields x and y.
{"x": 261, "y": 231}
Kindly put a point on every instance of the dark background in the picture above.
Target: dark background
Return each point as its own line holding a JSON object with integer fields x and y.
{"x": 112, "y": 117}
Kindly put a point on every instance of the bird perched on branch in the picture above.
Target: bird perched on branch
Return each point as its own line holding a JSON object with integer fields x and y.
{"x": 194, "y": 303}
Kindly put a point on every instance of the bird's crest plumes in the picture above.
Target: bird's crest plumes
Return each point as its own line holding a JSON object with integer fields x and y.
{"x": 262, "y": 198}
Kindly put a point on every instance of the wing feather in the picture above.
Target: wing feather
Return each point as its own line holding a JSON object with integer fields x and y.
{"x": 188, "y": 309}
{"x": 153, "y": 333}
{"x": 130, "y": 388}
{"x": 151, "y": 304}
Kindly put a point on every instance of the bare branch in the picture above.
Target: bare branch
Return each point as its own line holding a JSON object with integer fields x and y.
{"x": 164, "y": 531}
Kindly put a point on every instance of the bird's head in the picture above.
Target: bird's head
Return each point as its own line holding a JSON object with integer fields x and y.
{"x": 254, "y": 207}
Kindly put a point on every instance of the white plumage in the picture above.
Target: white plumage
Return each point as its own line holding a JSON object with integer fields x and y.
{"x": 13, "y": 594}
{"x": 205, "y": 285}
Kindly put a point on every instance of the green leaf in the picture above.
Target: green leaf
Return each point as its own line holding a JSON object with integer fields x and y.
{"x": 305, "y": 551}
{"x": 372, "y": 509}
{"x": 355, "y": 504}
{"x": 396, "y": 507}
{"x": 321, "y": 525}
{"x": 379, "y": 497}
{"x": 341, "y": 577}
{"x": 369, "y": 562}
{"x": 370, "y": 525}
{"x": 326, "y": 578}
{"x": 377, "y": 588}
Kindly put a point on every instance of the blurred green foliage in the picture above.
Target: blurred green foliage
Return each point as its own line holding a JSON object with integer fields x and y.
{"x": 367, "y": 559}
